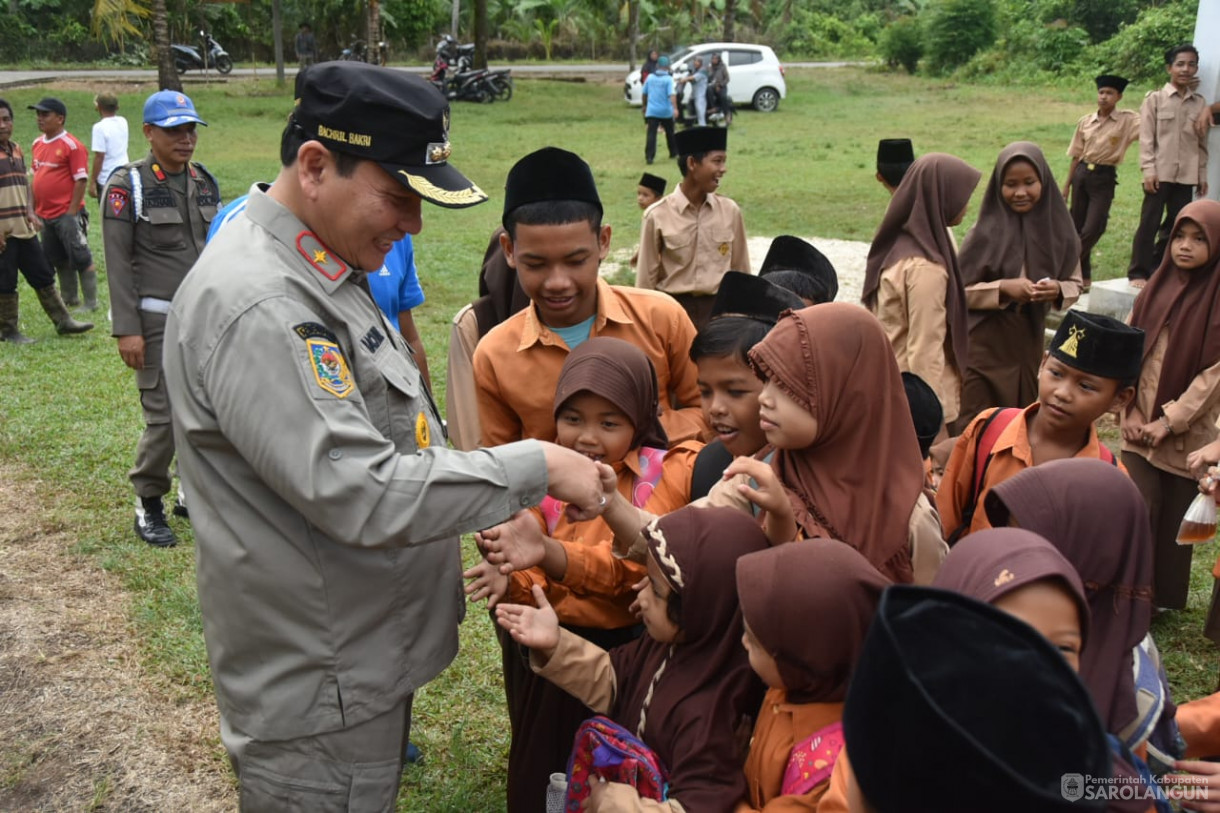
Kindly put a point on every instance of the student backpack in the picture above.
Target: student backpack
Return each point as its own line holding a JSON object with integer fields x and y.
{"x": 993, "y": 427}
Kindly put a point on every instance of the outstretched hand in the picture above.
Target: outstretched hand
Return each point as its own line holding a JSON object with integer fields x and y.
{"x": 517, "y": 544}
{"x": 769, "y": 494}
{"x": 485, "y": 581}
{"x": 535, "y": 627}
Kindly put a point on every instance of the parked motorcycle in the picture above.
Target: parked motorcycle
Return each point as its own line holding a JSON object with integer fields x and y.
{"x": 470, "y": 85}
{"x": 460, "y": 57}
{"x": 190, "y": 57}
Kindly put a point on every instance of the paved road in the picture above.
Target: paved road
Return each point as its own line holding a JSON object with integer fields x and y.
{"x": 604, "y": 72}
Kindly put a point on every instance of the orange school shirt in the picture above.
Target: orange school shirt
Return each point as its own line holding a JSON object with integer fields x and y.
{"x": 781, "y": 725}
{"x": 596, "y": 589}
{"x": 517, "y": 364}
{"x": 1011, "y": 455}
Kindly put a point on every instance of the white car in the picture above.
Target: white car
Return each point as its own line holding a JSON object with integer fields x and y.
{"x": 756, "y": 78}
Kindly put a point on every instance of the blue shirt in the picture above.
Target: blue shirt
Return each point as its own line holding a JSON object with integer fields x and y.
{"x": 577, "y": 334}
{"x": 658, "y": 88}
{"x": 395, "y": 286}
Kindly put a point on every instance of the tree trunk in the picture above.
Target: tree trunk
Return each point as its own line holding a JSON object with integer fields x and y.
{"x": 480, "y": 33}
{"x": 372, "y": 54}
{"x": 167, "y": 76}
{"x": 633, "y": 30}
{"x": 277, "y": 29}
{"x": 453, "y": 23}
{"x": 786, "y": 16}
{"x": 730, "y": 11}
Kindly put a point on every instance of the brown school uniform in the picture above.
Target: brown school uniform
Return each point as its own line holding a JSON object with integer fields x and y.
{"x": 1098, "y": 147}
{"x": 517, "y": 363}
{"x": 780, "y": 726}
{"x": 1007, "y": 338}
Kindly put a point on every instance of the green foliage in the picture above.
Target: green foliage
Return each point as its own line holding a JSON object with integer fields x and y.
{"x": 1060, "y": 48}
{"x": 1138, "y": 50}
{"x": 957, "y": 30}
{"x": 1103, "y": 18}
{"x": 902, "y": 44}
{"x": 817, "y": 34}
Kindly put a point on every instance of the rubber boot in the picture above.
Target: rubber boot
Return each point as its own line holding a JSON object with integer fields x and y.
{"x": 48, "y": 297}
{"x": 67, "y": 286}
{"x": 10, "y": 328}
{"x": 88, "y": 289}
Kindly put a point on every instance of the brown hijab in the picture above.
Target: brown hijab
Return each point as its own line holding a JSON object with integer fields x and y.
{"x": 935, "y": 190}
{"x": 1190, "y": 302}
{"x": 860, "y": 479}
{"x": 619, "y": 372}
{"x": 694, "y": 694}
{"x": 990, "y": 564}
{"x": 500, "y": 294}
{"x": 1098, "y": 520}
{"x": 1043, "y": 241}
{"x": 788, "y": 590}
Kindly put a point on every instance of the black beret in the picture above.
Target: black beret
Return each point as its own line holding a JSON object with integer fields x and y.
{"x": 788, "y": 253}
{"x": 550, "y": 174}
{"x": 1099, "y": 345}
{"x": 697, "y": 140}
{"x": 958, "y": 707}
{"x": 752, "y": 297}
{"x": 399, "y": 120}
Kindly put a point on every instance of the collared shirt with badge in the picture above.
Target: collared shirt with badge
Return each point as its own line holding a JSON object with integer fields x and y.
{"x": 687, "y": 250}
{"x": 1170, "y": 148}
{"x": 1104, "y": 141}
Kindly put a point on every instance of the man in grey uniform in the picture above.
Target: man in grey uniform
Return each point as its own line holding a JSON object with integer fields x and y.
{"x": 155, "y": 218}
{"x": 326, "y": 508}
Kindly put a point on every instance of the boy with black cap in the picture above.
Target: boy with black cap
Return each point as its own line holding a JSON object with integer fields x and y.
{"x": 795, "y": 265}
{"x": 693, "y": 235}
{"x": 1098, "y": 146}
{"x": 555, "y": 239}
{"x": 1090, "y": 370}
{"x": 894, "y": 158}
{"x": 650, "y": 189}
{"x": 326, "y": 507}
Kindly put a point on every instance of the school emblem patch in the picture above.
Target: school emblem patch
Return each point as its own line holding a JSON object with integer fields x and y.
{"x": 724, "y": 249}
{"x": 329, "y": 367}
{"x": 117, "y": 201}
{"x": 1071, "y": 344}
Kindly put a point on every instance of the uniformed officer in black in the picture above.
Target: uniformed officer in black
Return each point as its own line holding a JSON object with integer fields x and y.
{"x": 155, "y": 217}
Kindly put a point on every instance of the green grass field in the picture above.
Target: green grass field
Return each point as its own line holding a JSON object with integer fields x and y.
{"x": 69, "y": 415}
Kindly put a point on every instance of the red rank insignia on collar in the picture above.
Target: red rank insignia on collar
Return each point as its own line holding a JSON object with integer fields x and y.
{"x": 323, "y": 260}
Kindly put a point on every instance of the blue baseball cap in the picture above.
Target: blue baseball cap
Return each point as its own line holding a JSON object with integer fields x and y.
{"x": 169, "y": 108}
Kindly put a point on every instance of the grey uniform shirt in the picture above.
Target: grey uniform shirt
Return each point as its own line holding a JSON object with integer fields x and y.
{"x": 325, "y": 506}
{"x": 152, "y": 233}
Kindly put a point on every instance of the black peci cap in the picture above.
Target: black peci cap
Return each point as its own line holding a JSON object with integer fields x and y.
{"x": 1099, "y": 345}
{"x": 788, "y": 253}
{"x": 550, "y": 174}
{"x": 926, "y": 410}
{"x": 654, "y": 182}
{"x": 958, "y": 707}
{"x": 396, "y": 119}
{"x": 895, "y": 151}
{"x": 697, "y": 140}
{"x": 1109, "y": 80}
{"x": 752, "y": 297}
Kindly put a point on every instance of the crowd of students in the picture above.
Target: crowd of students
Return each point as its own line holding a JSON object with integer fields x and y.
{"x": 780, "y": 574}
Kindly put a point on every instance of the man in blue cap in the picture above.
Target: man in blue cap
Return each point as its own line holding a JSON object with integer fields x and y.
{"x": 155, "y": 216}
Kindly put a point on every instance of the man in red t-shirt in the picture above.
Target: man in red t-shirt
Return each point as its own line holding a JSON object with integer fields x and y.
{"x": 61, "y": 173}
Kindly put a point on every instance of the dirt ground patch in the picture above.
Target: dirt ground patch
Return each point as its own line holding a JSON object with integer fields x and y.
{"x": 81, "y": 726}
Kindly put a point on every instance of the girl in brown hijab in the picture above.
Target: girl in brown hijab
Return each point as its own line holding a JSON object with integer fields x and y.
{"x": 912, "y": 283}
{"x": 685, "y": 688}
{"x": 605, "y": 407}
{"x": 1021, "y": 258}
{"x": 847, "y": 464}
{"x": 1176, "y": 401}
{"x": 785, "y": 592}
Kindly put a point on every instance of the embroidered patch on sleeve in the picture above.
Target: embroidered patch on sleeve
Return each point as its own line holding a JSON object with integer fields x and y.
{"x": 116, "y": 202}
{"x": 326, "y": 359}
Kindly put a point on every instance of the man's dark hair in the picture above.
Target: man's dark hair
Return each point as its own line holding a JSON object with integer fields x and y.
{"x": 728, "y": 336}
{"x": 1172, "y": 54}
{"x": 552, "y": 213}
{"x": 294, "y": 136}
{"x": 7, "y": 107}
{"x": 698, "y": 156}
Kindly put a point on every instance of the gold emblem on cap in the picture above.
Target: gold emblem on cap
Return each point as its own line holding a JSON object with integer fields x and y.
{"x": 1072, "y": 343}
{"x": 1004, "y": 578}
{"x": 438, "y": 153}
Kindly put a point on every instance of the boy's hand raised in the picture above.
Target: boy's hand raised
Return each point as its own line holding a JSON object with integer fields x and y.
{"x": 486, "y": 582}
{"x": 537, "y": 628}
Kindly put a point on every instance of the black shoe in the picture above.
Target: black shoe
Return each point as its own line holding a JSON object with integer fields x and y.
{"x": 151, "y": 525}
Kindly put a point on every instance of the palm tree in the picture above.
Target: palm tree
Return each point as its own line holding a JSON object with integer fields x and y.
{"x": 112, "y": 21}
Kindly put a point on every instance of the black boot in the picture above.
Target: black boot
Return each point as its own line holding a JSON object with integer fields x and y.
{"x": 10, "y": 328}
{"x": 48, "y": 297}
{"x": 151, "y": 525}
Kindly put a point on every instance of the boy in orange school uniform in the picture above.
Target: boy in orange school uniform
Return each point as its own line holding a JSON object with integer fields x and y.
{"x": 1089, "y": 370}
